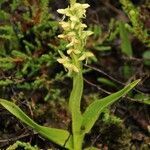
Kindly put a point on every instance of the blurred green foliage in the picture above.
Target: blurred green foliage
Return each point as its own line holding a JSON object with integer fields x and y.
{"x": 137, "y": 26}
{"x": 22, "y": 145}
{"x": 28, "y": 44}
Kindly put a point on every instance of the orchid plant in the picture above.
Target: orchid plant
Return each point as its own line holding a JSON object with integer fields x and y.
{"x": 76, "y": 36}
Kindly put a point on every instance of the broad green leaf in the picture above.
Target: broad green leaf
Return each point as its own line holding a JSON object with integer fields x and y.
{"x": 93, "y": 111}
{"x": 125, "y": 42}
{"x": 15, "y": 110}
{"x": 58, "y": 136}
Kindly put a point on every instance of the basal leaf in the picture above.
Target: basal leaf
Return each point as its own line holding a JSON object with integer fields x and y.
{"x": 58, "y": 136}
{"x": 93, "y": 111}
{"x": 15, "y": 110}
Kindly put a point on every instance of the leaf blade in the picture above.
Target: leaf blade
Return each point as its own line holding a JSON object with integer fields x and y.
{"x": 93, "y": 111}
{"x": 58, "y": 136}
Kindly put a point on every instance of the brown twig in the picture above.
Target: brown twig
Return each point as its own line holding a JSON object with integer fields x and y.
{"x": 109, "y": 93}
{"x": 14, "y": 138}
{"x": 104, "y": 73}
{"x": 114, "y": 9}
{"x": 137, "y": 89}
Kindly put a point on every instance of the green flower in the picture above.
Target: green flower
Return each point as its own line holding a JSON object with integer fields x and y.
{"x": 76, "y": 36}
{"x": 86, "y": 55}
{"x": 75, "y": 51}
{"x": 65, "y": 25}
{"x": 75, "y": 12}
{"x": 67, "y": 64}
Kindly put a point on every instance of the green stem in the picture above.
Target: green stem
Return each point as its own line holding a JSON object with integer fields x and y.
{"x": 76, "y": 62}
{"x": 72, "y": 2}
{"x": 74, "y": 104}
{"x": 78, "y": 142}
{"x": 75, "y": 101}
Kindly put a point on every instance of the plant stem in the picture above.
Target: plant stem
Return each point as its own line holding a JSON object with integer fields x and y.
{"x": 78, "y": 142}
{"x": 75, "y": 102}
{"x": 72, "y": 2}
{"x": 75, "y": 110}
